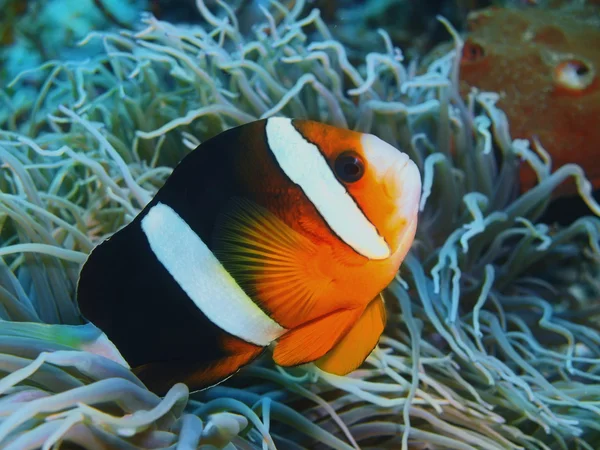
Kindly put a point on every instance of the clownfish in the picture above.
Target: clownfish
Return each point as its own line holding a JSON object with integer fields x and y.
{"x": 278, "y": 233}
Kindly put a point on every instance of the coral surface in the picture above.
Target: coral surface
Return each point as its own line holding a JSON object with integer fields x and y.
{"x": 492, "y": 341}
{"x": 545, "y": 65}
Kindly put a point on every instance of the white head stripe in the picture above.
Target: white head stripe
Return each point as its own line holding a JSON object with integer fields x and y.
{"x": 208, "y": 284}
{"x": 304, "y": 164}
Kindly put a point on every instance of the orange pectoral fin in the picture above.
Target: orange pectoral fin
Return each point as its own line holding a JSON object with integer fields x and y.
{"x": 358, "y": 343}
{"x": 160, "y": 377}
{"x": 312, "y": 340}
{"x": 271, "y": 262}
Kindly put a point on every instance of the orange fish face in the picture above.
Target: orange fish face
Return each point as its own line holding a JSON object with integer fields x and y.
{"x": 356, "y": 219}
{"x": 351, "y": 197}
{"x": 382, "y": 181}
{"x": 545, "y": 66}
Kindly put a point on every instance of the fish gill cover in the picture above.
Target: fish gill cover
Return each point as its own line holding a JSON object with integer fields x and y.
{"x": 492, "y": 339}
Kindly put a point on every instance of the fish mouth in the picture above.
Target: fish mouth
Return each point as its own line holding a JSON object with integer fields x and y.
{"x": 403, "y": 186}
{"x": 398, "y": 173}
{"x": 412, "y": 184}
{"x": 400, "y": 178}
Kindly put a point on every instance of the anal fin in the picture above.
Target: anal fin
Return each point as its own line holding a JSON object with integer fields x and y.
{"x": 159, "y": 377}
{"x": 357, "y": 344}
{"x": 314, "y": 339}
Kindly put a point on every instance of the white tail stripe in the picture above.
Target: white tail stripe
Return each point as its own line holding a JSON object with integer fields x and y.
{"x": 200, "y": 274}
{"x": 304, "y": 164}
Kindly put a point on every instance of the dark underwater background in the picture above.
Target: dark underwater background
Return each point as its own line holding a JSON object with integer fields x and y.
{"x": 493, "y": 334}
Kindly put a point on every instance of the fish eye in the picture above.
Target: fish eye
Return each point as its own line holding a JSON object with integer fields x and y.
{"x": 472, "y": 52}
{"x": 573, "y": 74}
{"x": 349, "y": 167}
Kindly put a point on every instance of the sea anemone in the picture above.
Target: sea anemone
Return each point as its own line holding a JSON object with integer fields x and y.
{"x": 492, "y": 339}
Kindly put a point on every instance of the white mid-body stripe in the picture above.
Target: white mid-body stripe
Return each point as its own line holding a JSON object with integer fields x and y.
{"x": 200, "y": 274}
{"x": 306, "y": 166}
